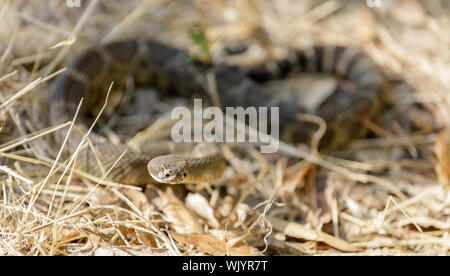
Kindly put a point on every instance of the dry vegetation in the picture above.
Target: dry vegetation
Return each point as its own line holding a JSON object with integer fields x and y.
{"x": 386, "y": 194}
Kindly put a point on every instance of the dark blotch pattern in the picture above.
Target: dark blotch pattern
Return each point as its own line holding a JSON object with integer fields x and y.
{"x": 122, "y": 51}
{"x": 89, "y": 64}
{"x": 169, "y": 68}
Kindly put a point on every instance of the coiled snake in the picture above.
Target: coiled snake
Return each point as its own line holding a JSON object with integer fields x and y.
{"x": 168, "y": 69}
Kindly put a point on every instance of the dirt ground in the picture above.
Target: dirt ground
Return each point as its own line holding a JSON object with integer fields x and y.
{"x": 385, "y": 194}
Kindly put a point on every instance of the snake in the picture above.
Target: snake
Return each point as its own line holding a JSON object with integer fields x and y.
{"x": 171, "y": 71}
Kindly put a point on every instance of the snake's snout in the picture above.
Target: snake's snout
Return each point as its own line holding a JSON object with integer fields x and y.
{"x": 169, "y": 169}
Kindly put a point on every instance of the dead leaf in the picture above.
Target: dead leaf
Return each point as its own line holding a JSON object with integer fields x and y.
{"x": 299, "y": 231}
{"x": 140, "y": 200}
{"x": 103, "y": 197}
{"x": 145, "y": 238}
{"x": 442, "y": 151}
{"x": 226, "y": 206}
{"x": 211, "y": 245}
{"x": 181, "y": 219}
{"x": 202, "y": 208}
{"x": 96, "y": 240}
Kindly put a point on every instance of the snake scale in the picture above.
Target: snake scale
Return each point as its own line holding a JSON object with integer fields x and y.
{"x": 167, "y": 68}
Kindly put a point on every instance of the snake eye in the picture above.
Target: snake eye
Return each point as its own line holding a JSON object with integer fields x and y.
{"x": 185, "y": 174}
{"x": 167, "y": 174}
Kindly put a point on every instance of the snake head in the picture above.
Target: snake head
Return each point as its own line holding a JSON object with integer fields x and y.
{"x": 169, "y": 169}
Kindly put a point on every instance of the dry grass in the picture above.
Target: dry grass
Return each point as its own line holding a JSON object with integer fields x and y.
{"x": 376, "y": 196}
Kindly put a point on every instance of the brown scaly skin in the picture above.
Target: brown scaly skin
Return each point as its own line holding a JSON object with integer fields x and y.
{"x": 168, "y": 69}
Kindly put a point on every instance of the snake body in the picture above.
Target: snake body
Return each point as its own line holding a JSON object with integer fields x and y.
{"x": 167, "y": 68}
